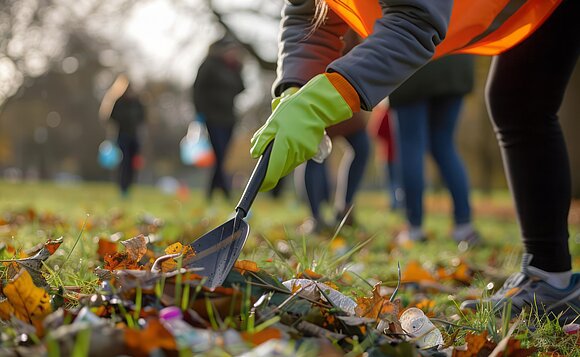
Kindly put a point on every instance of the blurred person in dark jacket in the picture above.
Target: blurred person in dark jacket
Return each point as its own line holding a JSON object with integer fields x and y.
{"x": 128, "y": 115}
{"x": 218, "y": 82}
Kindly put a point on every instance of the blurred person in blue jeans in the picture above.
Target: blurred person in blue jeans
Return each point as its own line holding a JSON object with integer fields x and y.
{"x": 382, "y": 128}
{"x": 218, "y": 82}
{"x": 350, "y": 172}
{"x": 317, "y": 183}
{"x": 427, "y": 108}
{"x": 128, "y": 115}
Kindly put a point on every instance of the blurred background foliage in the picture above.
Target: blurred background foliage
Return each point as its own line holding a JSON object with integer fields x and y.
{"x": 58, "y": 58}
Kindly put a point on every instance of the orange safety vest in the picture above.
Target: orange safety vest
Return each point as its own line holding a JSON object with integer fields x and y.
{"x": 482, "y": 27}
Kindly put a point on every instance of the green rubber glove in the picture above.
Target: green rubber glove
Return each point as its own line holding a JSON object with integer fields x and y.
{"x": 297, "y": 126}
{"x": 285, "y": 94}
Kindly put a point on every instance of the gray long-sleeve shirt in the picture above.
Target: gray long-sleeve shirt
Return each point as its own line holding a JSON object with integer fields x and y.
{"x": 403, "y": 40}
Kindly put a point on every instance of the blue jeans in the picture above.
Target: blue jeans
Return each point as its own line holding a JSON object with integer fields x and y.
{"x": 429, "y": 125}
{"x": 350, "y": 176}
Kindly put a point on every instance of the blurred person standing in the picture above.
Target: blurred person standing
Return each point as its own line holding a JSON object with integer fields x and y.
{"x": 128, "y": 115}
{"x": 383, "y": 129}
{"x": 218, "y": 82}
{"x": 427, "y": 108}
{"x": 317, "y": 183}
{"x": 350, "y": 172}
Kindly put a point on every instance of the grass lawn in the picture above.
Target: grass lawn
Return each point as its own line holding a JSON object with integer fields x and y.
{"x": 353, "y": 259}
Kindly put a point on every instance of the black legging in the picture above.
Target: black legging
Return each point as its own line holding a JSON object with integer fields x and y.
{"x": 524, "y": 92}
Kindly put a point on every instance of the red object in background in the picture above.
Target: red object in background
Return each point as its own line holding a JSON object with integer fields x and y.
{"x": 207, "y": 159}
{"x": 380, "y": 128}
{"x": 138, "y": 162}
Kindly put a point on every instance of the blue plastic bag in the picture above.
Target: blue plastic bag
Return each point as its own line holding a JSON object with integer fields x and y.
{"x": 109, "y": 155}
{"x": 195, "y": 148}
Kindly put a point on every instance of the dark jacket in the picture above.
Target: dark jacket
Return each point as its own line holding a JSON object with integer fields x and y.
{"x": 128, "y": 113}
{"x": 404, "y": 39}
{"x": 452, "y": 75}
{"x": 214, "y": 90}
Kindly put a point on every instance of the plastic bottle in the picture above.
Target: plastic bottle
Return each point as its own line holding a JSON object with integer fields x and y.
{"x": 186, "y": 336}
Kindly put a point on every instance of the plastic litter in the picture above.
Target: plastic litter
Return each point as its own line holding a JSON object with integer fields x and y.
{"x": 311, "y": 289}
{"x": 186, "y": 336}
{"x": 420, "y": 329}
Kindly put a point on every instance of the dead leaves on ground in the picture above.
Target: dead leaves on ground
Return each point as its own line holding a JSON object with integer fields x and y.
{"x": 24, "y": 300}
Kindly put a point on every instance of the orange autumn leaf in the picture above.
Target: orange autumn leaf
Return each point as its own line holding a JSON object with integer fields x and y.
{"x": 477, "y": 345}
{"x": 246, "y": 265}
{"x": 309, "y": 274}
{"x": 177, "y": 248}
{"x": 258, "y": 338}
{"x": 154, "y": 336}
{"x": 463, "y": 273}
{"x": 376, "y": 306}
{"x": 120, "y": 261}
{"x": 427, "y": 306}
{"x": 106, "y": 247}
{"x": 414, "y": 272}
{"x": 52, "y": 245}
{"x": 24, "y": 300}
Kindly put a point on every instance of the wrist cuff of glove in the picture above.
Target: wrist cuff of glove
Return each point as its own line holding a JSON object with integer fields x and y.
{"x": 345, "y": 89}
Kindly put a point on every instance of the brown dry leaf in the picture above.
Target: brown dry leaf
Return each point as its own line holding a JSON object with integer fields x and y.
{"x": 176, "y": 248}
{"x": 258, "y": 338}
{"x": 415, "y": 273}
{"x": 25, "y": 301}
{"x": 514, "y": 349}
{"x": 136, "y": 247}
{"x": 154, "y": 336}
{"x": 246, "y": 265}
{"x": 34, "y": 263}
{"x": 477, "y": 345}
{"x": 106, "y": 247}
{"x": 120, "y": 261}
{"x": 376, "y": 306}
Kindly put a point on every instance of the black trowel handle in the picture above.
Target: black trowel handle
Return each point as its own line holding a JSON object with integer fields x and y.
{"x": 255, "y": 182}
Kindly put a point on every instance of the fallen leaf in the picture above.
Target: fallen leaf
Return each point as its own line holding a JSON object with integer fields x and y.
{"x": 258, "y": 338}
{"x": 246, "y": 265}
{"x": 152, "y": 337}
{"x": 136, "y": 247}
{"x": 415, "y": 273}
{"x": 25, "y": 301}
{"x": 120, "y": 261}
{"x": 176, "y": 248}
{"x": 106, "y": 247}
{"x": 477, "y": 345}
{"x": 309, "y": 274}
{"x": 514, "y": 349}
{"x": 34, "y": 263}
{"x": 376, "y": 306}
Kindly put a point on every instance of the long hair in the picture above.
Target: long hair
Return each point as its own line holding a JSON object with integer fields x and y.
{"x": 320, "y": 12}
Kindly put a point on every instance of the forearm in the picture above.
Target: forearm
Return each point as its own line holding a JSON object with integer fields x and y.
{"x": 403, "y": 40}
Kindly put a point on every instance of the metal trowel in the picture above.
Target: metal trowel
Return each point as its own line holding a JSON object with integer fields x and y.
{"x": 218, "y": 250}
